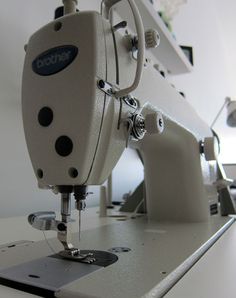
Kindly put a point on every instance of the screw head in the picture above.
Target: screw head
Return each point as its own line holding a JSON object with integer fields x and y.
{"x": 61, "y": 227}
{"x": 101, "y": 83}
{"x": 131, "y": 101}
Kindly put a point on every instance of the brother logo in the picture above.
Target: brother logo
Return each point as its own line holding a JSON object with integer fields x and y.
{"x": 54, "y": 60}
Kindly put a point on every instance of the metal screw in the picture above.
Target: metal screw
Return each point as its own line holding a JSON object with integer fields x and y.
{"x": 131, "y": 101}
{"x": 61, "y": 227}
{"x": 101, "y": 84}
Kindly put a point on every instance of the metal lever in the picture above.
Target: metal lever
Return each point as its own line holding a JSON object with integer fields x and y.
{"x": 223, "y": 183}
{"x": 44, "y": 220}
{"x": 141, "y": 47}
{"x": 120, "y": 25}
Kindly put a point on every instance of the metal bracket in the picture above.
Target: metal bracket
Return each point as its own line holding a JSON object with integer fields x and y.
{"x": 131, "y": 101}
{"x": 46, "y": 221}
{"x": 120, "y": 25}
{"x": 105, "y": 87}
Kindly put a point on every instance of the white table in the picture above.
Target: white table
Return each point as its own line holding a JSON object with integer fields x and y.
{"x": 212, "y": 276}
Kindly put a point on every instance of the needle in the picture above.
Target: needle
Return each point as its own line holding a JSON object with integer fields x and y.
{"x": 80, "y": 206}
{"x": 79, "y": 223}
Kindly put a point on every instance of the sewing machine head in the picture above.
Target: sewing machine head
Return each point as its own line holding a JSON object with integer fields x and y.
{"x": 74, "y": 112}
{"x": 75, "y": 117}
{"x": 79, "y": 115}
{"x": 72, "y": 117}
{"x": 63, "y": 108}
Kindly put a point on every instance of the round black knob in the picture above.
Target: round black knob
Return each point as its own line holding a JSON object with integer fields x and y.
{"x": 45, "y": 116}
{"x": 64, "y": 146}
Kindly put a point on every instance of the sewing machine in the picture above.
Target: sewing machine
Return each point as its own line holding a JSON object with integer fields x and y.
{"x": 89, "y": 91}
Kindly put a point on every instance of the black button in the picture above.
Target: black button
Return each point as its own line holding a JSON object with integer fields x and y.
{"x": 45, "y": 116}
{"x": 64, "y": 146}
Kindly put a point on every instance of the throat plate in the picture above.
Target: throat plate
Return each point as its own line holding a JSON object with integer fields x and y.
{"x": 45, "y": 276}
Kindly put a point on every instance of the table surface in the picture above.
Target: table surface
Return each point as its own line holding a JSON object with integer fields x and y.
{"x": 212, "y": 276}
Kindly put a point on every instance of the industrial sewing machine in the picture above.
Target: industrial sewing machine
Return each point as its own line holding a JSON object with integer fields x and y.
{"x": 90, "y": 91}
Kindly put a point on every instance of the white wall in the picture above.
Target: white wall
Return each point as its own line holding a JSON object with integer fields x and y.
{"x": 230, "y": 171}
{"x": 209, "y": 26}
{"x": 19, "y": 193}
{"x": 227, "y": 24}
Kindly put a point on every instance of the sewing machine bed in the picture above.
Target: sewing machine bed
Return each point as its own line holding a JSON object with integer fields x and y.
{"x": 159, "y": 255}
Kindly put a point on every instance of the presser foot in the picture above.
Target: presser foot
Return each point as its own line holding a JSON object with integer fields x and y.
{"x": 75, "y": 255}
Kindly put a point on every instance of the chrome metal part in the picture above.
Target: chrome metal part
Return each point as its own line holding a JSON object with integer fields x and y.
{"x": 138, "y": 129}
{"x": 75, "y": 255}
{"x": 65, "y": 207}
{"x": 43, "y": 221}
{"x": 65, "y": 237}
{"x": 80, "y": 193}
{"x": 46, "y": 221}
{"x": 131, "y": 101}
{"x": 79, "y": 225}
{"x": 46, "y": 275}
{"x": 64, "y": 233}
{"x": 105, "y": 87}
{"x": 80, "y": 206}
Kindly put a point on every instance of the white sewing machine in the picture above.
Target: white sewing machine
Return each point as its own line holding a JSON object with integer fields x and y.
{"x": 88, "y": 93}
